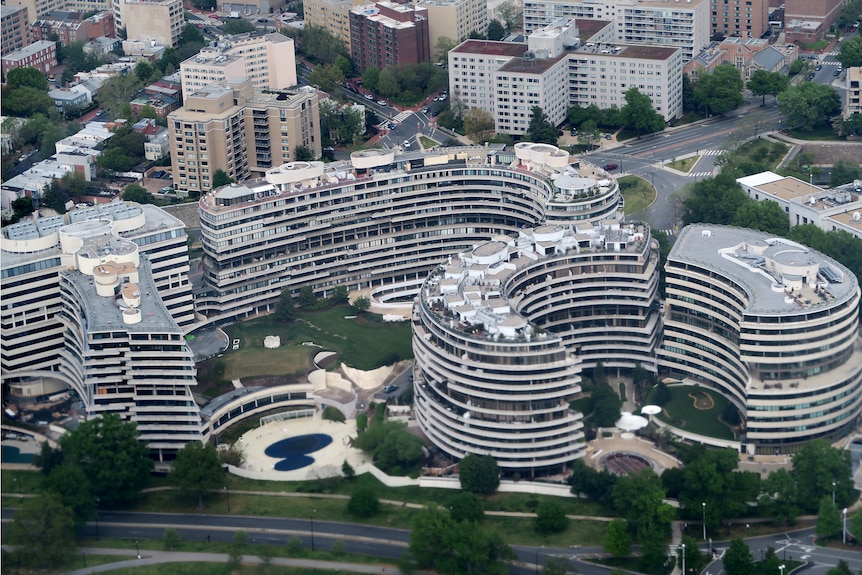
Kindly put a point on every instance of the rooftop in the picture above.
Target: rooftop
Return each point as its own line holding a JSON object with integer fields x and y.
{"x": 776, "y": 274}
{"x": 530, "y": 65}
{"x": 30, "y": 49}
{"x": 491, "y": 48}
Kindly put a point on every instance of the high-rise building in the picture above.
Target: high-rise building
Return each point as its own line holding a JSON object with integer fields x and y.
{"x": 455, "y": 19}
{"x": 15, "y": 28}
{"x": 161, "y": 21}
{"x": 388, "y": 34}
{"x": 852, "y": 92}
{"x": 749, "y": 19}
{"x": 770, "y": 324}
{"x": 331, "y": 15}
{"x": 266, "y": 58}
{"x": 814, "y": 15}
{"x": 231, "y": 127}
{"x": 49, "y": 324}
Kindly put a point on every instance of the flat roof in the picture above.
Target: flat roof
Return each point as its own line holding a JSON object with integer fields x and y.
{"x": 490, "y": 48}
{"x": 589, "y": 28}
{"x": 530, "y": 65}
{"x": 29, "y": 50}
{"x": 723, "y": 250}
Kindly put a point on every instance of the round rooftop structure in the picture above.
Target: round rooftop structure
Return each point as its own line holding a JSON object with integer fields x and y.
{"x": 294, "y": 172}
{"x": 367, "y": 159}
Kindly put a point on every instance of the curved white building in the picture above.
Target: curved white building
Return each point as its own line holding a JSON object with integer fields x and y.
{"x": 772, "y": 325}
{"x": 380, "y": 220}
{"x": 500, "y": 333}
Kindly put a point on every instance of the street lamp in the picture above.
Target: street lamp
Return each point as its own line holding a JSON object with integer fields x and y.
{"x": 781, "y": 568}
{"x": 844, "y": 530}
{"x": 833, "y": 493}
{"x": 704, "y": 520}
{"x": 536, "y": 560}
{"x": 311, "y": 519}
{"x": 137, "y": 549}
{"x": 683, "y": 558}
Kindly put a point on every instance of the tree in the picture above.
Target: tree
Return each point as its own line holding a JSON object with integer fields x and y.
{"x": 617, "y": 540}
{"x": 828, "y": 519}
{"x": 721, "y": 90}
{"x": 370, "y": 78}
{"x": 302, "y": 154}
{"x": 841, "y": 569}
{"x": 428, "y": 536}
{"x": 550, "y": 518}
{"x": 361, "y": 303}
{"x": 73, "y": 488}
{"x": 393, "y": 448}
{"x": 26, "y": 102}
{"x": 22, "y": 207}
{"x": 196, "y": 469}
{"x": 604, "y": 406}
{"x": 714, "y": 200}
{"x": 116, "y": 91}
{"x": 808, "y": 104}
{"x": 640, "y": 499}
{"x": 237, "y": 26}
{"x": 108, "y": 451}
{"x": 327, "y": 77}
{"x": 478, "y": 121}
{"x": 307, "y": 298}
{"x": 139, "y": 194}
{"x": 144, "y": 71}
{"x": 540, "y": 129}
{"x": 817, "y": 466}
{"x": 347, "y": 470}
{"x": 738, "y": 559}
{"x": 171, "y": 539}
{"x": 778, "y": 497}
{"x": 440, "y": 52}
{"x": 762, "y": 83}
{"x": 844, "y": 172}
{"x": 479, "y": 474}
{"x": 114, "y": 160}
{"x": 387, "y": 83}
{"x": 850, "y": 55}
{"x": 363, "y": 504}
{"x": 469, "y": 551}
{"x": 856, "y": 523}
{"x": 319, "y": 45}
{"x": 44, "y": 530}
{"x": 285, "y": 309}
{"x": 466, "y": 506}
{"x": 509, "y": 12}
{"x": 558, "y": 566}
{"x": 30, "y": 77}
{"x": 220, "y": 178}
{"x": 496, "y": 31}
{"x": 344, "y": 64}
{"x": 766, "y": 216}
{"x": 639, "y": 113}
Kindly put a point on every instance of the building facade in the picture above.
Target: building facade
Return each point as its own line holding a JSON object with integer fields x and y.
{"x": 161, "y": 21}
{"x": 852, "y": 92}
{"x": 41, "y": 55}
{"x": 232, "y": 127}
{"x": 70, "y": 27}
{"x": 14, "y": 28}
{"x": 388, "y": 34}
{"x": 328, "y": 225}
{"x": 455, "y": 19}
{"x": 770, "y": 324}
{"x": 333, "y": 16}
{"x": 266, "y": 58}
{"x": 748, "y": 19}
{"x": 810, "y": 19}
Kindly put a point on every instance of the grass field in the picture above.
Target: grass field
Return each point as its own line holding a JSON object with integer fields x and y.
{"x": 822, "y": 132}
{"x": 427, "y": 142}
{"x": 685, "y": 164}
{"x": 638, "y": 193}
{"x": 681, "y": 412}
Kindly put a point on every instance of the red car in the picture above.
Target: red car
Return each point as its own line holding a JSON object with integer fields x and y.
{"x": 609, "y": 167}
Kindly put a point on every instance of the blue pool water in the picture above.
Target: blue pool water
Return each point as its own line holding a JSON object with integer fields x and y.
{"x": 12, "y": 454}
{"x": 294, "y": 451}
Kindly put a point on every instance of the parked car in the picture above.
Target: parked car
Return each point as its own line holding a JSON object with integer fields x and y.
{"x": 573, "y": 132}
{"x": 406, "y": 143}
{"x": 390, "y": 388}
{"x": 818, "y": 67}
{"x": 811, "y": 76}
{"x": 383, "y": 102}
{"x": 369, "y": 97}
{"x": 609, "y": 167}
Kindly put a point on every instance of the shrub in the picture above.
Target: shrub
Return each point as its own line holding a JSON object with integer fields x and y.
{"x": 333, "y": 414}
{"x": 363, "y": 504}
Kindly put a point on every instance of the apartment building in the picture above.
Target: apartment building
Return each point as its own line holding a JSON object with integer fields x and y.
{"x": 41, "y": 55}
{"x": 455, "y": 19}
{"x": 770, "y": 324}
{"x": 267, "y": 59}
{"x": 557, "y": 68}
{"x": 389, "y": 34}
{"x": 805, "y": 203}
{"x": 666, "y": 23}
{"x": 377, "y": 221}
{"x": 852, "y": 92}
{"x": 234, "y": 128}
{"x": 70, "y": 27}
{"x": 161, "y": 21}
{"x": 811, "y": 18}
{"x": 333, "y": 16}
{"x": 14, "y": 28}
{"x": 36, "y": 8}
{"x": 743, "y": 18}
{"x": 37, "y": 357}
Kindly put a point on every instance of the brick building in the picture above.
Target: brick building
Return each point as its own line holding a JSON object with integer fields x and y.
{"x": 41, "y": 55}
{"x": 389, "y": 34}
{"x": 71, "y": 27}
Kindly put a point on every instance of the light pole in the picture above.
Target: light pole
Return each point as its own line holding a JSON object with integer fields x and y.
{"x": 704, "y": 520}
{"x": 833, "y": 493}
{"x": 683, "y": 558}
{"x": 844, "y": 530}
{"x": 311, "y": 519}
{"x": 137, "y": 549}
{"x": 781, "y": 568}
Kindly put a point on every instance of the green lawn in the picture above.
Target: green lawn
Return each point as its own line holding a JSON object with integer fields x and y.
{"x": 220, "y": 569}
{"x": 638, "y": 193}
{"x": 681, "y": 412}
{"x": 685, "y": 164}
{"x": 822, "y": 132}
{"x": 427, "y": 142}
{"x": 819, "y": 45}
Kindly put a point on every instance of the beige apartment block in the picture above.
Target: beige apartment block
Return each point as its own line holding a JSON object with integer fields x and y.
{"x": 265, "y": 58}
{"x": 852, "y": 92}
{"x": 15, "y": 28}
{"x": 37, "y": 8}
{"x": 232, "y": 127}
{"x": 739, "y": 18}
{"x": 455, "y": 19}
{"x": 332, "y": 15}
{"x": 159, "y": 20}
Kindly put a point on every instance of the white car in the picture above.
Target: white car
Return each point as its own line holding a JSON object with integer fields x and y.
{"x": 369, "y": 97}
{"x": 406, "y": 143}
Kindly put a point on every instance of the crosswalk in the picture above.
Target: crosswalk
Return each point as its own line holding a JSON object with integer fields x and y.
{"x": 699, "y": 174}
{"x": 668, "y": 232}
{"x": 402, "y": 116}
{"x": 711, "y": 152}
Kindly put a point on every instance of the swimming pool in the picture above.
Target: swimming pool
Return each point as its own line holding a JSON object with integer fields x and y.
{"x": 294, "y": 451}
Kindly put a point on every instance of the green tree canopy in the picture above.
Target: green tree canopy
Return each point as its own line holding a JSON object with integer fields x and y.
{"x": 25, "y": 102}
{"x": 465, "y": 506}
{"x": 762, "y": 83}
{"x": 440, "y": 51}
{"x": 496, "y": 30}
{"x": 618, "y": 541}
{"x": 139, "y": 194}
{"x": 851, "y": 52}
{"x": 109, "y": 452}
{"x": 540, "y": 130}
{"x": 73, "y": 488}
{"x": 550, "y": 518}
{"x": 320, "y": 46}
{"x": 363, "y": 504}
{"x": 370, "y": 78}
{"x": 639, "y": 113}
{"x": 478, "y": 121}
{"x": 237, "y": 26}
{"x": 327, "y": 77}
{"x": 604, "y": 406}
{"x": 809, "y": 104}
{"x": 738, "y": 559}
{"x": 44, "y": 530}
{"x": 394, "y": 449}
{"x": 844, "y": 172}
{"x": 196, "y": 469}
{"x": 510, "y": 13}
{"x": 828, "y": 519}
{"x": 220, "y": 178}
{"x": 721, "y": 90}
{"x": 766, "y": 216}
{"x": 116, "y": 91}
{"x": 285, "y": 309}
{"x": 144, "y": 71}
{"x": 816, "y": 467}
{"x": 302, "y": 153}
{"x": 30, "y": 77}
{"x": 714, "y": 200}
{"x": 479, "y": 474}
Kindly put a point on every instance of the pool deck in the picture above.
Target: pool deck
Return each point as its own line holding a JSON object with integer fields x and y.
{"x": 327, "y": 461}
